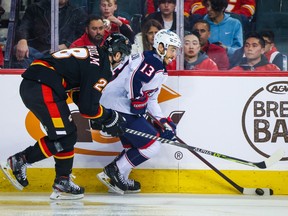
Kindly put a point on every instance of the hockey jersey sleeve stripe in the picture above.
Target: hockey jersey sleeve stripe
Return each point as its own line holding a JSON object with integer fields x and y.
{"x": 250, "y": 8}
{"x": 43, "y": 63}
{"x": 98, "y": 115}
{"x": 132, "y": 86}
{"x": 196, "y": 6}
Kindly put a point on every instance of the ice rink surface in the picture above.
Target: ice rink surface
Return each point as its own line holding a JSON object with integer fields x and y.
{"x": 39, "y": 204}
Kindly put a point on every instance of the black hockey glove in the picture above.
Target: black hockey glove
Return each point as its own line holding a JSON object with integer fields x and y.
{"x": 115, "y": 125}
{"x": 95, "y": 124}
{"x": 169, "y": 131}
{"x": 110, "y": 122}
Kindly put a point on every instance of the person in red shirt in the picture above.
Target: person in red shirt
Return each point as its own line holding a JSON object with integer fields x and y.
{"x": 94, "y": 35}
{"x": 241, "y": 7}
{"x": 193, "y": 58}
{"x": 254, "y": 59}
{"x": 115, "y": 24}
{"x": 216, "y": 53}
{"x": 271, "y": 52}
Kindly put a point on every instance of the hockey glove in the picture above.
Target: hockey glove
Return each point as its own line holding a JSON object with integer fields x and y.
{"x": 115, "y": 125}
{"x": 95, "y": 124}
{"x": 169, "y": 130}
{"x": 139, "y": 104}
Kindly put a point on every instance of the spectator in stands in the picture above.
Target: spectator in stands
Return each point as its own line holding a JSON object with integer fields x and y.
{"x": 193, "y": 58}
{"x": 235, "y": 59}
{"x": 34, "y": 33}
{"x": 271, "y": 52}
{"x": 225, "y": 30}
{"x": 216, "y": 53}
{"x": 241, "y": 7}
{"x": 166, "y": 15}
{"x": 152, "y": 6}
{"x": 244, "y": 9}
{"x": 254, "y": 59}
{"x": 95, "y": 33}
{"x": 144, "y": 40}
{"x": 115, "y": 24}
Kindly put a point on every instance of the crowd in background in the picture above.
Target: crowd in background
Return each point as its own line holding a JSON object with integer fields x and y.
{"x": 217, "y": 32}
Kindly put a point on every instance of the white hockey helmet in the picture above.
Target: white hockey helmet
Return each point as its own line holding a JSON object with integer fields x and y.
{"x": 166, "y": 37}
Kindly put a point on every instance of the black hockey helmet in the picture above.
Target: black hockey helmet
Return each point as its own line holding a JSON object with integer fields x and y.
{"x": 117, "y": 42}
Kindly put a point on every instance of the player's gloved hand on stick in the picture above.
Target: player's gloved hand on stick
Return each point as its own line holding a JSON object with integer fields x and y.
{"x": 115, "y": 125}
{"x": 139, "y": 104}
{"x": 95, "y": 124}
{"x": 169, "y": 130}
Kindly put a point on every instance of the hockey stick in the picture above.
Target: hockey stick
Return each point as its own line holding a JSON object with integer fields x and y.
{"x": 250, "y": 191}
{"x": 275, "y": 157}
{"x": 245, "y": 191}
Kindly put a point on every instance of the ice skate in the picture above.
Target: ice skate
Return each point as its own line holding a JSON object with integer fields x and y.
{"x": 133, "y": 187}
{"x": 65, "y": 189}
{"x": 15, "y": 170}
{"x": 113, "y": 179}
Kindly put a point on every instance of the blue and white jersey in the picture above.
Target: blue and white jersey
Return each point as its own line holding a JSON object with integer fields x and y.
{"x": 137, "y": 74}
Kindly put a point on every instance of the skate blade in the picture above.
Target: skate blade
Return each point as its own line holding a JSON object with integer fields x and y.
{"x": 56, "y": 195}
{"x": 7, "y": 172}
{"x": 125, "y": 192}
{"x": 106, "y": 180}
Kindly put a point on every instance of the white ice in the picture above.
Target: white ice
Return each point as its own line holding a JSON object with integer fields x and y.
{"x": 36, "y": 204}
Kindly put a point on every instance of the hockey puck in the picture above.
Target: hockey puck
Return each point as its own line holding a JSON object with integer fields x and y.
{"x": 271, "y": 192}
{"x": 259, "y": 192}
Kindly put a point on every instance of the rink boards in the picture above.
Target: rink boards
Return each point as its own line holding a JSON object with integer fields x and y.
{"x": 243, "y": 115}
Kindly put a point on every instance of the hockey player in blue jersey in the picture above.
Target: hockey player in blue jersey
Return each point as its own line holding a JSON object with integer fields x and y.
{"x": 134, "y": 91}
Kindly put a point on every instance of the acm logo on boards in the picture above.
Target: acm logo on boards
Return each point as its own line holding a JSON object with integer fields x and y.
{"x": 265, "y": 119}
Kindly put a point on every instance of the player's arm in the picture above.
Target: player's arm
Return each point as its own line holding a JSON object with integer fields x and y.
{"x": 74, "y": 94}
{"x": 104, "y": 119}
{"x": 92, "y": 85}
{"x": 154, "y": 107}
{"x": 197, "y": 7}
{"x": 109, "y": 121}
{"x": 169, "y": 129}
{"x": 139, "y": 99}
{"x": 247, "y": 8}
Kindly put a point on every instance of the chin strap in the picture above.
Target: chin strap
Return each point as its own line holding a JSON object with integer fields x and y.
{"x": 161, "y": 55}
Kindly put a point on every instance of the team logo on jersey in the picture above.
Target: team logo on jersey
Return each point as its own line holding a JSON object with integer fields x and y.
{"x": 265, "y": 118}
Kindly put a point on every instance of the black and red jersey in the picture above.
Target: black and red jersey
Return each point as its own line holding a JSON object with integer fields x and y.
{"x": 86, "y": 68}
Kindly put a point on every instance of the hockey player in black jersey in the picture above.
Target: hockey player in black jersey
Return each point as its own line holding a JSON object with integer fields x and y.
{"x": 82, "y": 73}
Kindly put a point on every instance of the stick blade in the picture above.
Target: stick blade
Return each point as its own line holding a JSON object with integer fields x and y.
{"x": 275, "y": 157}
{"x": 255, "y": 191}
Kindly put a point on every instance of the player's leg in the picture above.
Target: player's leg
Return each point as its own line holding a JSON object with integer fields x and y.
{"x": 133, "y": 185}
{"x": 56, "y": 119}
{"x": 142, "y": 149}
